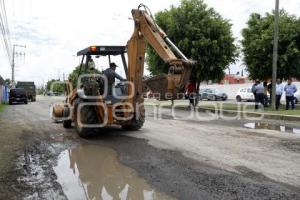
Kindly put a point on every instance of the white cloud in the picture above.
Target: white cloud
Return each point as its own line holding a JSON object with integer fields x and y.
{"x": 54, "y": 30}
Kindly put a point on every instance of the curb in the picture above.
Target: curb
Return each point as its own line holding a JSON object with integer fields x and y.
{"x": 243, "y": 114}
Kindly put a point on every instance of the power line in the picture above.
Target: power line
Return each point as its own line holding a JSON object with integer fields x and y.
{"x": 6, "y": 24}
{"x": 5, "y": 31}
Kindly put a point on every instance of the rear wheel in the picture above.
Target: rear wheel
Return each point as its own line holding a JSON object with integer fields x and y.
{"x": 87, "y": 116}
{"x": 239, "y": 99}
{"x": 26, "y": 102}
{"x": 137, "y": 122}
{"x": 67, "y": 123}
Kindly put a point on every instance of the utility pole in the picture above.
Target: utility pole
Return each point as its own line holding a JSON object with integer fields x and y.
{"x": 13, "y": 64}
{"x": 275, "y": 54}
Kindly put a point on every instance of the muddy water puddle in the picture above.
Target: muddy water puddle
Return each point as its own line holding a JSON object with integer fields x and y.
{"x": 92, "y": 172}
{"x": 274, "y": 127}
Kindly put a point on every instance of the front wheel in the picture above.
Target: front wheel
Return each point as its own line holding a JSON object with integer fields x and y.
{"x": 87, "y": 116}
{"x": 66, "y": 123}
{"x": 238, "y": 99}
{"x": 136, "y": 122}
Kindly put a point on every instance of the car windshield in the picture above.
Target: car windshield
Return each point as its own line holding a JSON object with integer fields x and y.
{"x": 18, "y": 91}
{"x": 217, "y": 91}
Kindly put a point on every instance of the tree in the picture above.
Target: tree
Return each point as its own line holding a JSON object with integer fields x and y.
{"x": 41, "y": 90}
{"x": 257, "y": 46}
{"x": 73, "y": 77}
{"x": 201, "y": 34}
{"x": 7, "y": 81}
{"x": 55, "y": 86}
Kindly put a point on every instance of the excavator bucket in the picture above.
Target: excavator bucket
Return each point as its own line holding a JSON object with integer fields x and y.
{"x": 158, "y": 85}
{"x": 171, "y": 85}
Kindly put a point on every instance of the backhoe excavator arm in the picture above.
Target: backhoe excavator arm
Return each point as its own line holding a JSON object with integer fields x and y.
{"x": 146, "y": 30}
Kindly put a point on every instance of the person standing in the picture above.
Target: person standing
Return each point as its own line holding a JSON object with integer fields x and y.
{"x": 279, "y": 92}
{"x": 191, "y": 93}
{"x": 270, "y": 92}
{"x": 290, "y": 90}
{"x": 266, "y": 98}
{"x": 258, "y": 90}
{"x": 253, "y": 88}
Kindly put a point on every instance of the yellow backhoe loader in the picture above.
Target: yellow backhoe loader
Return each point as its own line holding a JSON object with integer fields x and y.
{"x": 91, "y": 104}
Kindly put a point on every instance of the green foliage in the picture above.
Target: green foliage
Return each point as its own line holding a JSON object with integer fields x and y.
{"x": 258, "y": 46}
{"x": 73, "y": 77}
{"x": 40, "y": 90}
{"x": 7, "y": 81}
{"x": 55, "y": 86}
{"x": 201, "y": 34}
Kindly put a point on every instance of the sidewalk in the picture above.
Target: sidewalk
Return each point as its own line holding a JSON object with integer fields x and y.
{"x": 242, "y": 109}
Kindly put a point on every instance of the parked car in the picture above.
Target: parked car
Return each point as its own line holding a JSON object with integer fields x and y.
{"x": 245, "y": 94}
{"x": 212, "y": 94}
{"x": 18, "y": 95}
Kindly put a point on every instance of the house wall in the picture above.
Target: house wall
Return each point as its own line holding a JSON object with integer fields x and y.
{"x": 4, "y": 94}
{"x": 1, "y": 93}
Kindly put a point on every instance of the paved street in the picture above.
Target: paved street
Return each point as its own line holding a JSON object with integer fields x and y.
{"x": 177, "y": 155}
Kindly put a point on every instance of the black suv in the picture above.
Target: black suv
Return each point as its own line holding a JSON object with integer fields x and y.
{"x": 17, "y": 95}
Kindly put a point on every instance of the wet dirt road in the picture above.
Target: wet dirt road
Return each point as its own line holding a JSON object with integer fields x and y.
{"x": 175, "y": 157}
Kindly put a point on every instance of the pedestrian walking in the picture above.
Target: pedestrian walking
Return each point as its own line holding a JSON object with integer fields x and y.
{"x": 279, "y": 92}
{"x": 290, "y": 90}
{"x": 259, "y": 93}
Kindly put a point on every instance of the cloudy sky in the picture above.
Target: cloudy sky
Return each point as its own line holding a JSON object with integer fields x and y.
{"x": 54, "y": 30}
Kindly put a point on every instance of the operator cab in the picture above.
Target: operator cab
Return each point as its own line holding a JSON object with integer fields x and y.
{"x": 89, "y": 55}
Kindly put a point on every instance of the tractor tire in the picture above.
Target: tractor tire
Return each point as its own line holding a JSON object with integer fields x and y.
{"x": 67, "y": 123}
{"x": 87, "y": 115}
{"x": 137, "y": 122}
